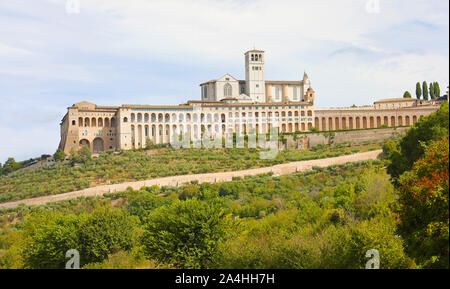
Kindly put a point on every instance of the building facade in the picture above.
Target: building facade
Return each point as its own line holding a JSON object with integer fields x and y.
{"x": 228, "y": 105}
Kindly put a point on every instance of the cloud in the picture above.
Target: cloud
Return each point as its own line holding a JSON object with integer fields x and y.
{"x": 158, "y": 51}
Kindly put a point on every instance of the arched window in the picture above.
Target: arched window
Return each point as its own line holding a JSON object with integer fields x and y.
{"x": 227, "y": 90}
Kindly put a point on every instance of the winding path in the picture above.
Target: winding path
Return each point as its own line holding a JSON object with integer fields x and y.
{"x": 282, "y": 169}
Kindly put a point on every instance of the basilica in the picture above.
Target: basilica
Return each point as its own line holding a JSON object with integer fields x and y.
{"x": 229, "y": 105}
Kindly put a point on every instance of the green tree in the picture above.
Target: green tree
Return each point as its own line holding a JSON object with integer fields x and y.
{"x": 437, "y": 90}
{"x": 407, "y": 94}
{"x": 48, "y": 236}
{"x": 432, "y": 90}
{"x": 105, "y": 231}
{"x": 418, "y": 90}
{"x": 424, "y": 210}
{"x": 10, "y": 166}
{"x": 59, "y": 155}
{"x": 186, "y": 233}
{"x": 425, "y": 90}
{"x": 411, "y": 147}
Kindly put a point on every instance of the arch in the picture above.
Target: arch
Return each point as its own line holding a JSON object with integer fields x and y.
{"x": 283, "y": 127}
{"x": 125, "y": 119}
{"x": 100, "y": 122}
{"x": 309, "y": 126}
{"x": 414, "y": 119}
{"x": 364, "y": 120}
{"x": 344, "y": 123}
{"x": 98, "y": 145}
{"x": 330, "y": 123}
{"x": 337, "y": 124}
{"x": 304, "y": 126}
{"x": 400, "y": 120}
{"x": 290, "y": 127}
{"x": 107, "y": 124}
{"x": 227, "y": 90}
{"x": 316, "y": 122}
{"x": 371, "y": 122}
{"x": 87, "y": 122}
{"x": 407, "y": 120}
{"x": 350, "y": 123}
{"x": 392, "y": 120}
{"x": 386, "y": 121}
{"x": 146, "y": 117}
{"x": 85, "y": 142}
{"x": 160, "y": 117}
{"x": 378, "y": 121}
{"x": 153, "y": 117}
{"x": 324, "y": 125}
{"x": 133, "y": 117}
{"x": 309, "y": 113}
{"x": 93, "y": 122}
{"x": 139, "y": 117}
{"x": 80, "y": 121}
{"x": 358, "y": 122}
{"x": 167, "y": 117}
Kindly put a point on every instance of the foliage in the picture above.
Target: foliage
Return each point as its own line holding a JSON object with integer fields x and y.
{"x": 186, "y": 233}
{"x": 407, "y": 94}
{"x": 105, "y": 231}
{"x": 411, "y": 147}
{"x": 424, "y": 210}
{"x": 425, "y": 90}
{"x": 59, "y": 155}
{"x": 10, "y": 166}
{"x": 115, "y": 167}
{"x": 418, "y": 90}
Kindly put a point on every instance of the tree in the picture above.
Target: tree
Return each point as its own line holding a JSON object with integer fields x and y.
{"x": 59, "y": 155}
{"x": 10, "y": 166}
{"x": 407, "y": 94}
{"x": 186, "y": 233}
{"x": 105, "y": 231}
{"x": 425, "y": 90}
{"x": 437, "y": 90}
{"x": 424, "y": 207}
{"x": 411, "y": 147}
{"x": 431, "y": 90}
{"x": 418, "y": 90}
{"x": 48, "y": 236}
{"x": 83, "y": 156}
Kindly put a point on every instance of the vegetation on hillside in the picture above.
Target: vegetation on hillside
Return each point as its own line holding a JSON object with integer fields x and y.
{"x": 82, "y": 171}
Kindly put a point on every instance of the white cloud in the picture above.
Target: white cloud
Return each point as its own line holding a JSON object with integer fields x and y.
{"x": 349, "y": 54}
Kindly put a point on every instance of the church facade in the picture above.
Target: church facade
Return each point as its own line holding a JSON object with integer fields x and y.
{"x": 228, "y": 105}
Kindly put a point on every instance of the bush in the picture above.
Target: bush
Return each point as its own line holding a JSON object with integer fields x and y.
{"x": 186, "y": 233}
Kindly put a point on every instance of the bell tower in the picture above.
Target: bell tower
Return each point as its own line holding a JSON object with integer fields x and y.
{"x": 254, "y": 75}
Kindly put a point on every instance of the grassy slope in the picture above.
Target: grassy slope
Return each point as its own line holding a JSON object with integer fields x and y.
{"x": 140, "y": 165}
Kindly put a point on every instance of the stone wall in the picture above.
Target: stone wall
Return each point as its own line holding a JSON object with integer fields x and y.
{"x": 355, "y": 137}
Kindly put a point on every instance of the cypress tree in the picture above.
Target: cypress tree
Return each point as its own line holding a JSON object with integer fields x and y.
{"x": 437, "y": 90}
{"x": 418, "y": 90}
{"x": 425, "y": 90}
{"x": 407, "y": 94}
{"x": 431, "y": 90}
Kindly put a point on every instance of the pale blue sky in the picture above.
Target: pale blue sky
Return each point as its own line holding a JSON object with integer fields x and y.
{"x": 157, "y": 52}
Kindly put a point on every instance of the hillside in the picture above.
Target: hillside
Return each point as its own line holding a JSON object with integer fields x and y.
{"x": 126, "y": 166}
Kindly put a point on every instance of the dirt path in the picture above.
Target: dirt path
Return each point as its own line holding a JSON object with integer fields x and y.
{"x": 282, "y": 169}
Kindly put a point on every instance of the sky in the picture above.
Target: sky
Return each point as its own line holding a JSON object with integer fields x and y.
{"x": 54, "y": 53}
